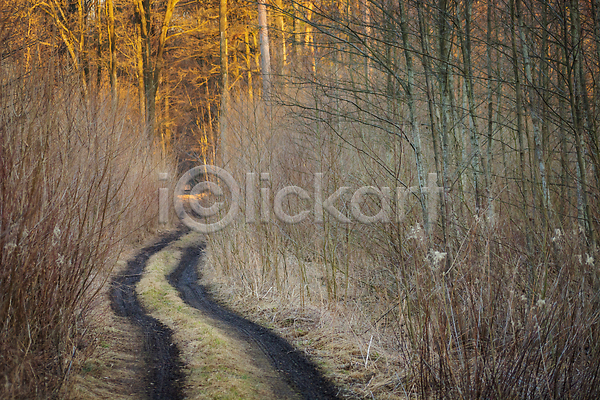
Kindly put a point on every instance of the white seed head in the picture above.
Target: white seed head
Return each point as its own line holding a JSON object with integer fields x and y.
{"x": 541, "y": 303}
{"x": 416, "y": 232}
{"x": 435, "y": 258}
{"x": 557, "y": 235}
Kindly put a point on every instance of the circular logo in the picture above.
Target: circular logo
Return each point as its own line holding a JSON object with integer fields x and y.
{"x": 193, "y": 186}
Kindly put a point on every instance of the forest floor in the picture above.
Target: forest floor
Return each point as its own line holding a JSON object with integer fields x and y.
{"x": 173, "y": 340}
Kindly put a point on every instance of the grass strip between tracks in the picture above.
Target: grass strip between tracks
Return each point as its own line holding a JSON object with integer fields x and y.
{"x": 217, "y": 366}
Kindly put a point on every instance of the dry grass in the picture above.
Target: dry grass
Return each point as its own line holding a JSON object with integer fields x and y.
{"x": 115, "y": 370}
{"x": 340, "y": 336}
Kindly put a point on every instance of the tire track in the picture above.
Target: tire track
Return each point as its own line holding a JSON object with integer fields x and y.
{"x": 296, "y": 370}
{"x": 163, "y": 380}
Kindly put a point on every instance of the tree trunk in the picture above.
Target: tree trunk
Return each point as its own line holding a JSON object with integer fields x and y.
{"x": 564, "y": 154}
{"x": 518, "y": 101}
{"x": 576, "y": 95}
{"x": 367, "y": 43}
{"x": 444, "y": 51}
{"x": 110, "y": 8}
{"x": 424, "y": 40}
{"x": 224, "y": 81}
{"x": 98, "y": 11}
{"x": 151, "y": 67}
{"x": 281, "y": 27}
{"x": 265, "y": 57}
{"x": 490, "y": 121}
{"x": 83, "y": 60}
{"x": 140, "y": 71}
{"x": 476, "y": 162}
{"x": 535, "y": 117}
{"x": 248, "y": 64}
{"x": 416, "y": 135}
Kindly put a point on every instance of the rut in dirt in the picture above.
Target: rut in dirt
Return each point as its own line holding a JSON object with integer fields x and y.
{"x": 295, "y": 369}
{"x": 164, "y": 376}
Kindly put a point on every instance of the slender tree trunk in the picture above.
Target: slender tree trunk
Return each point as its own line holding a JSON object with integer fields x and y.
{"x": 210, "y": 118}
{"x": 564, "y": 154}
{"x": 112, "y": 48}
{"x": 576, "y": 95}
{"x": 98, "y": 9}
{"x": 535, "y": 117}
{"x": 248, "y": 64}
{"x": 444, "y": 48}
{"x": 281, "y": 27}
{"x": 166, "y": 129}
{"x": 83, "y": 59}
{"x": 140, "y": 71}
{"x": 433, "y": 120}
{"x": 265, "y": 56}
{"x": 149, "y": 92}
{"x": 596, "y": 15}
{"x": 518, "y": 102}
{"x": 224, "y": 82}
{"x": 414, "y": 127}
{"x": 367, "y": 41}
{"x": 476, "y": 162}
{"x": 295, "y": 31}
{"x": 490, "y": 103}
{"x": 545, "y": 82}
{"x": 308, "y": 37}
{"x": 425, "y": 58}
{"x": 461, "y": 145}
{"x": 257, "y": 55}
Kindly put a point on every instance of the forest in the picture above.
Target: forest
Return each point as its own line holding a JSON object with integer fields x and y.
{"x": 487, "y": 288}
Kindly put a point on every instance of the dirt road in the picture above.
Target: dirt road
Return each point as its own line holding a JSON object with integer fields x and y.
{"x": 296, "y": 376}
{"x": 296, "y": 370}
{"x": 164, "y": 376}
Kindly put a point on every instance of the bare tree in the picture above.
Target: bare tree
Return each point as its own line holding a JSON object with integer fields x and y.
{"x": 151, "y": 64}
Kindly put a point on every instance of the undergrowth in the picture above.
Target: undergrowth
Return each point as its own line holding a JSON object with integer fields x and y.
{"x": 78, "y": 181}
{"x": 489, "y": 305}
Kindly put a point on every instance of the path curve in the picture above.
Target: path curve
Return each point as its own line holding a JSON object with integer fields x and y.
{"x": 299, "y": 373}
{"x": 164, "y": 377}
